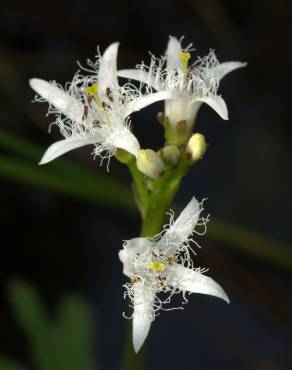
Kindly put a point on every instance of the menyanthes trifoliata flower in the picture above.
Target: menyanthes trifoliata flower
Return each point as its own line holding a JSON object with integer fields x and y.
{"x": 94, "y": 109}
{"x": 189, "y": 85}
{"x": 162, "y": 266}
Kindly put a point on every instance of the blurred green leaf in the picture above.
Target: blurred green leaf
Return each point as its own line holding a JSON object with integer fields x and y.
{"x": 32, "y": 318}
{"x": 16, "y": 144}
{"x": 93, "y": 188}
{"x": 60, "y": 344}
{"x": 28, "y": 309}
{"x": 6, "y": 364}
{"x": 61, "y": 175}
{"x": 250, "y": 243}
{"x": 73, "y": 333}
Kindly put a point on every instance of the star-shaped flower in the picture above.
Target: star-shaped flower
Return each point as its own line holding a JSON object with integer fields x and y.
{"x": 94, "y": 109}
{"x": 162, "y": 266}
{"x": 188, "y": 85}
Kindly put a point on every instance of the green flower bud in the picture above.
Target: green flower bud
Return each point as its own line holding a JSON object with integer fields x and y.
{"x": 170, "y": 155}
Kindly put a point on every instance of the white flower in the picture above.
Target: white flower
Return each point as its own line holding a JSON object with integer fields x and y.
{"x": 189, "y": 86}
{"x": 162, "y": 266}
{"x": 93, "y": 109}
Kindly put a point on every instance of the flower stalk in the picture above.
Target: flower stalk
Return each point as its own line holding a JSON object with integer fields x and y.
{"x": 150, "y": 226}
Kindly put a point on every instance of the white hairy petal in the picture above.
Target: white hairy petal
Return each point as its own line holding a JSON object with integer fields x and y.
{"x": 107, "y": 74}
{"x": 63, "y": 146}
{"x": 181, "y": 229}
{"x": 132, "y": 249}
{"x": 61, "y": 100}
{"x": 195, "y": 282}
{"x": 143, "y": 314}
{"x": 223, "y": 69}
{"x": 215, "y": 102}
{"x": 142, "y": 76}
{"x": 172, "y": 53}
{"x": 123, "y": 138}
{"x": 144, "y": 101}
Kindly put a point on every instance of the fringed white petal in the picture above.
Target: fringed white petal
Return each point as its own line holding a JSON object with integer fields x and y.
{"x": 132, "y": 249}
{"x": 172, "y": 53}
{"x": 63, "y": 146}
{"x": 143, "y": 314}
{"x": 195, "y": 282}
{"x": 122, "y": 138}
{"x": 144, "y": 101}
{"x": 138, "y": 75}
{"x": 107, "y": 74}
{"x": 223, "y": 69}
{"x": 61, "y": 100}
{"x": 181, "y": 229}
{"x": 215, "y": 102}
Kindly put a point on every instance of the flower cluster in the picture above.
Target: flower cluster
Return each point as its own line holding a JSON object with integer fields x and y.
{"x": 94, "y": 109}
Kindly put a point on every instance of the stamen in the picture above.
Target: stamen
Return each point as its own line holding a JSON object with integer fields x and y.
{"x": 93, "y": 91}
{"x": 89, "y": 99}
{"x": 170, "y": 259}
{"x": 85, "y": 112}
{"x": 135, "y": 279}
{"x": 105, "y": 106}
{"x": 109, "y": 94}
{"x": 184, "y": 57}
{"x": 161, "y": 282}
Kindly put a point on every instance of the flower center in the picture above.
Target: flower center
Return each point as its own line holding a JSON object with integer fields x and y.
{"x": 156, "y": 266}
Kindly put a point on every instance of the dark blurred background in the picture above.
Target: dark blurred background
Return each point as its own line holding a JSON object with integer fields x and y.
{"x": 64, "y": 245}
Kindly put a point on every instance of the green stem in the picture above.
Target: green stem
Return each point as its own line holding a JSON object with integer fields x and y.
{"x": 159, "y": 204}
{"x": 141, "y": 194}
{"x": 160, "y": 200}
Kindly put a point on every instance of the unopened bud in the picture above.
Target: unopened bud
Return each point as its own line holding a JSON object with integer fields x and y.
{"x": 149, "y": 163}
{"x": 196, "y": 147}
{"x": 170, "y": 155}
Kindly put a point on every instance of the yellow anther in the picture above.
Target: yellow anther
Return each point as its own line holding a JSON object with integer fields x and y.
{"x": 184, "y": 57}
{"x": 135, "y": 279}
{"x": 156, "y": 266}
{"x": 93, "y": 91}
{"x": 170, "y": 259}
